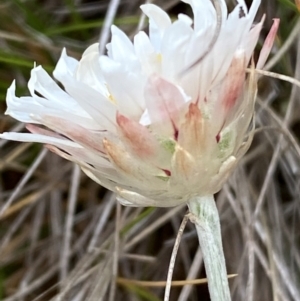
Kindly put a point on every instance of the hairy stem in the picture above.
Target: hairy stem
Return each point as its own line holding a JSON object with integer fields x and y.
{"x": 205, "y": 215}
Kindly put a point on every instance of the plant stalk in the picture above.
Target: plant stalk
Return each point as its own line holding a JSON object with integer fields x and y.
{"x": 204, "y": 214}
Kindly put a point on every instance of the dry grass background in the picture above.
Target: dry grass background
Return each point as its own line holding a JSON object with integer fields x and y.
{"x": 63, "y": 237}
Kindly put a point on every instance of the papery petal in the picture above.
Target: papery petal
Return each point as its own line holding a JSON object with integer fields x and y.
{"x": 125, "y": 88}
{"x": 141, "y": 142}
{"x": 244, "y": 118}
{"x": 186, "y": 19}
{"x": 240, "y": 26}
{"x": 164, "y": 102}
{"x": 95, "y": 104}
{"x": 69, "y": 62}
{"x": 96, "y": 169}
{"x": 250, "y": 40}
{"x": 159, "y": 21}
{"x": 78, "y": 152}
{"x": 204, "y": 14}
{"x": 42, "y": 83}
{"x": 53, "y": 96}
{"x": 103, "y": 181}
{"x": 132, "y": 167}
{"x": 268, "y": 44}
{"x": 89, "y": 70}
{"x": 84, "y": 137}
{"x": 218, "y": 180}
{"x": 18, "y": 107}
{"x": 253, "y": 10}
{"x": 38, "y": 130}
{"x": 222, "y": 59}
{"x": 233, "y": 81}
{"x": 150, "y": 61}
{"x": 183, "y": 165}
{"x": 92, "y": 49}
{"x": 119, "y": 157}
{"x": 76, "y": 159}
{"x": 231, "y": 90}
{"x": 29, "y": 109}
{"x": 228, "y": 99}
{"x": 133, "y": 199}
{"x": 25, "y": 137}
{"x": 122, "y": 50}
{"x": 173, "y": 48}
{"x": 130, "y": 198}
{"x": 191, "y": 136}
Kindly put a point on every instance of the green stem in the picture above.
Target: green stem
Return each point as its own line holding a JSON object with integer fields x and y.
{"x": 204, "y": 214}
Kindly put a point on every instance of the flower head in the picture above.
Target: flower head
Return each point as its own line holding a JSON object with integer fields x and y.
{"x": 157, "y": 120}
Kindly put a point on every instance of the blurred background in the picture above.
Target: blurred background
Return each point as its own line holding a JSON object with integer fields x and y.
{"x": 63, "y": 237}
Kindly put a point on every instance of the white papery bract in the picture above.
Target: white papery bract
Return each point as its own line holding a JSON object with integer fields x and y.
{"x": 157, "y": 120}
